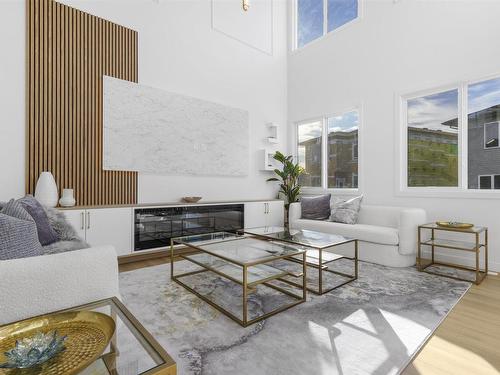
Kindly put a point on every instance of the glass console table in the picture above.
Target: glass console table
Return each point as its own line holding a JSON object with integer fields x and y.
{"x": 475, "y": 246}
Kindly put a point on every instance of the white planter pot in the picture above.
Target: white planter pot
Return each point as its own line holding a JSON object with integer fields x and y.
{"x": 46, "y": 190}
{"x": 67, "y": 199}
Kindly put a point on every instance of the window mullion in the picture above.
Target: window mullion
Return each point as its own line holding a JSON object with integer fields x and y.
{"x": 463, "y": 126}
{"x": 324, "y": 154}
{"x": 325, "y": 17}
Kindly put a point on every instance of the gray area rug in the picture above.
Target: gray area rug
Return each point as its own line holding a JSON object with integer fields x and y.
{"x": 373, "y": 325}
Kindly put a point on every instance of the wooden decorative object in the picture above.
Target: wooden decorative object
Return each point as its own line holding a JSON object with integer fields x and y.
{"x": 68, "y": 53}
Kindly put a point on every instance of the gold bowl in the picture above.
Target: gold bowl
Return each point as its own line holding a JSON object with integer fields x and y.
{"x": 191, "y": 199}
{"x": 88, "y": 334}
{"x": 453, "y": 224}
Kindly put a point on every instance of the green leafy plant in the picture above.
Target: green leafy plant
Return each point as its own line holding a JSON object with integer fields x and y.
{"x": 288, "y": 177}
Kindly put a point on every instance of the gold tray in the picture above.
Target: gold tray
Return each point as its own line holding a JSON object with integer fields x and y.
{"x": 88, "y": 333}
{"x": 448, "y": 224}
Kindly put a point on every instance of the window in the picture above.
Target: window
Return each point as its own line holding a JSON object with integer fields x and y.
{"x": 449, "y": 146}
{"x": 489, "y": 182}
{"x": 491, "y": 134}
{"x": 327, "y": 149}
{"x": 309, "y": 136}
{"x": 343, "y": 149}
{"x": 432, "y": 128}
{"x": 341, "y": 12}
{"x": 315, "y": 18}
{"x": 483, "y": 115}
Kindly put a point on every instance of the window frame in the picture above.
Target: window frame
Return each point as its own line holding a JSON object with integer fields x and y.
{"x": 324, "y": 154}
{"x": 401, "y": 150}
{"x": 326, "y": 33}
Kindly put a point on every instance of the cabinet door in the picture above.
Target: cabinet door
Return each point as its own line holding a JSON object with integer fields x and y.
{"x": 77, "y": 220}
{"x": 275, "y": 215}
{"x": 110, "y": 226}
{"x": 255, "y": 214}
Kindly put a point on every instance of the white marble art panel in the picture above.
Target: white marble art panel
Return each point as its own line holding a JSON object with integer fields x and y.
{"x": 158, "y": 132}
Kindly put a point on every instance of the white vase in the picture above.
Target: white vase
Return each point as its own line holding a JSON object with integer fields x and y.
{"x": 67, "y": 198}
{"x": 46, "y": 190}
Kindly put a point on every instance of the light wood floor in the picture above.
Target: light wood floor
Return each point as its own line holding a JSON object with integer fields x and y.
{"x": 467, "y": 342}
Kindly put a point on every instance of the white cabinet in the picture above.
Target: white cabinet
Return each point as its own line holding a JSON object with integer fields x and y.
{"x": 104, "y": 226}
{"x": 264, "y": 214}
{"x": 275, "y": 214}
{"x": 110, "y": 226}
{"x": 77, "y": 219}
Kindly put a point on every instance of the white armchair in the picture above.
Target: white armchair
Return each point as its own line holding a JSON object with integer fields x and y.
{"x": 38, "y": 285}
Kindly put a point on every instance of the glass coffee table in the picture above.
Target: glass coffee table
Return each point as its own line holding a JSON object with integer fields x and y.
{"x": 320, "y": 252}
{"x": 226, "y": 269}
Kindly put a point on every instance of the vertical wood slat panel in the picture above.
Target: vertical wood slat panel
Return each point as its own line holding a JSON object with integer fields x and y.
{"x": 68, "y": 52}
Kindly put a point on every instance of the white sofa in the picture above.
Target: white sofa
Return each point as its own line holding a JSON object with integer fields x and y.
{"x": 42, "y": 284}
{"x": 387, "y": 235}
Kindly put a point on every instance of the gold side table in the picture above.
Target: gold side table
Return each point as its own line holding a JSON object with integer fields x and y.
{"x": 474, "y": 247}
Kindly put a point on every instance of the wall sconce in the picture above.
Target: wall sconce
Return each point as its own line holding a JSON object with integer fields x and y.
{"x": 246, "y": 5}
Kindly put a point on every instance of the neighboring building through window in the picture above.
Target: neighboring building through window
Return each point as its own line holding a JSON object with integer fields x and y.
{"x": 340, "y": 150}
{"x": 432, "y": 143}
{"x": 434, "y": 130}
{"x": 316, "y": 18}
{"x": 309, "y": 136}
{"x": 343, "y": 145}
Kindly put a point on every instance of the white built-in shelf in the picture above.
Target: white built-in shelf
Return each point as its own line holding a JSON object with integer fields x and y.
{"x": 273, "y": 132}
{"x": 266, "y": 160}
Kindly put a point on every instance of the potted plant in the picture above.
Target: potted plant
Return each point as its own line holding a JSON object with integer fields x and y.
{"x": 288, "y": 177}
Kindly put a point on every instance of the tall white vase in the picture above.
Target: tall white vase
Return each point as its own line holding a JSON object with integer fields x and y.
{"x": 46, "y": 190}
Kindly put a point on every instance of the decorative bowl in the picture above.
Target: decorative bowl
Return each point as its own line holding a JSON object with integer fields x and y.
{"x": 191, "y": 199}
{"x": 454, "y": 224}
{"x": 35, "y": 350}
{"x": 86, "y": 335}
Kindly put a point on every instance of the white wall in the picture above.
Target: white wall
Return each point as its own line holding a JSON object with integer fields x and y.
{"x": 179, "y": 52}
{"x": 12, "y": 99}
{"x": 399, "y": 47}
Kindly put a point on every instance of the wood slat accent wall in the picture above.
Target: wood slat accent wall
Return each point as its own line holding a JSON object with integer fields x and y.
{"x": 68, "y": 53}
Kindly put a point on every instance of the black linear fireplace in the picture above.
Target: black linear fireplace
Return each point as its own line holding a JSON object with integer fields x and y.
{"x": 154, "y": 227}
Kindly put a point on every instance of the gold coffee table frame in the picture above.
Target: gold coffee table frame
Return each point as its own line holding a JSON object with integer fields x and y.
{"x": 474, "y": 247}
{"x": 321, "y": 261}
{"x": 244, "y": 283}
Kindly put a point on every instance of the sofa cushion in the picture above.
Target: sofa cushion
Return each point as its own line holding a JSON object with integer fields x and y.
{"x": 316, "y": 207}
{"x": 363, "y": 232}
{"x": 46, "y": 234}
{"x": 18, "y": 238}
{"x": 346, "y": 211}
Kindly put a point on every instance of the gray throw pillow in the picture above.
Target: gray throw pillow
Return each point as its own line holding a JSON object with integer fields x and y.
{"x": 346, "y": 211}
{"x": 15, "y": 209}
{"x": 18, "y": 238}
{"x": 316, "y": 208}
{"x": 46, "y": 233}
